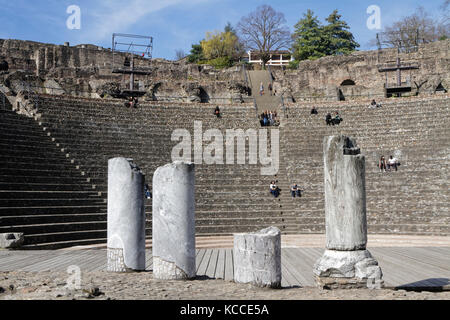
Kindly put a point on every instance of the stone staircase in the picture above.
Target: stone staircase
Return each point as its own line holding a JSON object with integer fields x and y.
{"x": 42, "y": 194}
{"x": 229, "y": 198}
{"x": 67, "y": 146}
{"x": 266, "y": 101}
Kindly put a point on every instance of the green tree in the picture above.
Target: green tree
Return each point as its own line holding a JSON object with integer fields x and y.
{"x": 219, "y": 44}
{"x": 196, "y": 54}
{"x": 308, "y": 37}
{"x": 229, "y": 28}
{"x": 339, "y": 40}
{"x": 312, "y": 40}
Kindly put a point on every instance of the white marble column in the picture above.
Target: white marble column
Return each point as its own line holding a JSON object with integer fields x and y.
{"x": 173, "y": 228}
{"x": 345, "y": 194}
{"x": 126, "y": 216}
{"x": 345, "y": 263}
{"x": 257, "y": 258}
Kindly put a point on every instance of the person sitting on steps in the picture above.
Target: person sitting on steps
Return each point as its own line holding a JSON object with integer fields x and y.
{"x": 274, "y": 190}
{"x": 129, "y": 103}
{"x": 382, "y": 164}
{"x": 295, "y": 191}
{"x": 271, "y": 118}
{"x": 148, "y": 194}
{"x": 314, "y": 110}
{"x": 337, "y": 119}
{"x": 217, "y": 112}
{"x": 374, "y": 104}
{"x": 328, "y": 119}
{"x": 392, "y": 163}
{"x": 266, "y": 118}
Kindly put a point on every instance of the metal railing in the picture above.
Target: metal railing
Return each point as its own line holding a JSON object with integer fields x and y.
{"x": 250, "y": 84}
{"x": 3, "y": 101}
{"x": 283, "y": 106}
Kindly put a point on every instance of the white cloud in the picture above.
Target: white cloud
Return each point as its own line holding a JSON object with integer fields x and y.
{"x": 117, "y": 16}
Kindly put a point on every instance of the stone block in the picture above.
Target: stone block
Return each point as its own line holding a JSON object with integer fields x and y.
{"x": 11, "y": 240}
{"x": 347, "y": 269}
{"x": 257, "y": 258}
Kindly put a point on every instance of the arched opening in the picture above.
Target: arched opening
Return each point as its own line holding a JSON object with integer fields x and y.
{"x": 204, "y": 97}
{"x": 341, "y": 96}
{"x": 4, "y": 65}
{"x": 440, "y": 88}
{"x": 348, "y": 82}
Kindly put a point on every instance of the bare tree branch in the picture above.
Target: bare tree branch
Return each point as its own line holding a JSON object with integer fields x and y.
{"x": 414, "y": 29}
{"x": 264, "y": 30}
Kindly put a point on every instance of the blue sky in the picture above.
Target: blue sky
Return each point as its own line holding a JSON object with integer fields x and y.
{"x": 177, "y": 24}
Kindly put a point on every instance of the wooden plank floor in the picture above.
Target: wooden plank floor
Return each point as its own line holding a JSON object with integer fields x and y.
{"x": 401, "y": 266}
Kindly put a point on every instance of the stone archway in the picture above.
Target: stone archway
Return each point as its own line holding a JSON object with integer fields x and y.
{"x": 341, "y": 96}
{"x": 348, "y": 82}
{"x": 4, "y": 65}
{"x": 203, "y": 95}
{"x": 440, "y": 88}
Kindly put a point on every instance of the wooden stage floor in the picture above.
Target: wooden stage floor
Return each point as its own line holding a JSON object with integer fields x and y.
{"x": 419, "y": 267}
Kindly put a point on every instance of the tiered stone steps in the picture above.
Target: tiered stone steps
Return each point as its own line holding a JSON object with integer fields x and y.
{"x": 42, "y": 194}
{"x": 413, "y": 200}
{"x": 93, "y": 131}
{"x": 54, "y": 169}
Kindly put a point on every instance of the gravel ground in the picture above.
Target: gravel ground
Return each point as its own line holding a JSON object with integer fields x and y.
{"x": 141, "y": 286}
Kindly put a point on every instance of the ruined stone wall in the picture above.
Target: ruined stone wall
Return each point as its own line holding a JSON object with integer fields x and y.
{"x": 321, "y": 79}
{"x": 86, "y": 70}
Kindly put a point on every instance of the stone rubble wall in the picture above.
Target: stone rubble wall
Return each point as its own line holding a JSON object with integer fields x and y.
{"x": 321, "y": 79}
{"x": 86, "y": 70}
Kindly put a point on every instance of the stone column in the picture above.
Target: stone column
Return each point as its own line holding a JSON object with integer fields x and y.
{"x": 126, "y": 216}
{"x": 346, "y": 263}
{"x": 345, "y": 194}
{"x": 173, "y": 230}
{"x": 257, "y": 258}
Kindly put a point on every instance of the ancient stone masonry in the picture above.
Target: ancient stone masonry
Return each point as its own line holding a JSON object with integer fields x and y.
{"x": 346, "y": 263}
{"x": 86, "y": 70}
{"x": 126, "y": 216}
{"x": 173, "y": 231}
{"x": 257, "y": 258}
{"x": 360, "y": 75}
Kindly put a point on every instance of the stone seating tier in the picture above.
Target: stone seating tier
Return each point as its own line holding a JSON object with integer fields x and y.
{"x": 68, "y": 144}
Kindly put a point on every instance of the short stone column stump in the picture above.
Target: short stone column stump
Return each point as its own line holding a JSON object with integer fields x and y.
{"x": 257, "y": 258}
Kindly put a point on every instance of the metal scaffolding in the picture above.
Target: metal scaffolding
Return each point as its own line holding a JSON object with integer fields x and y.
{"x": 126, "y": 50}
